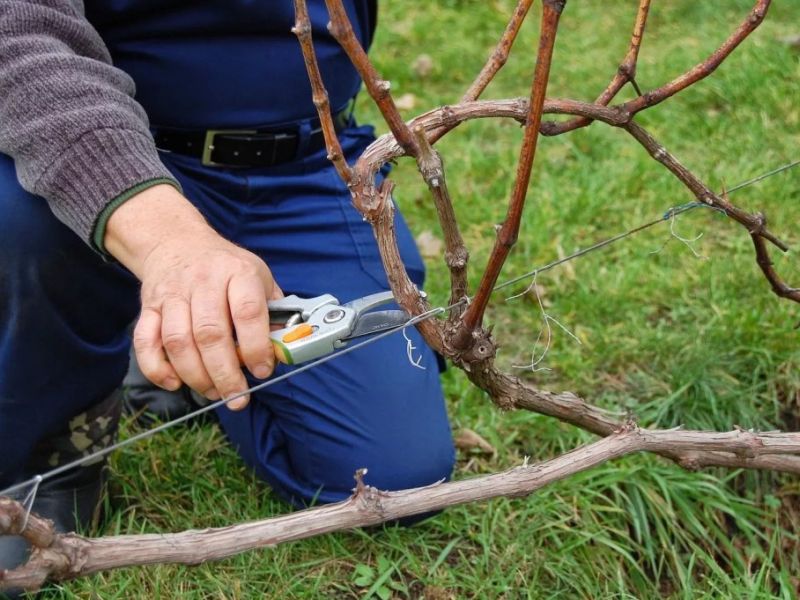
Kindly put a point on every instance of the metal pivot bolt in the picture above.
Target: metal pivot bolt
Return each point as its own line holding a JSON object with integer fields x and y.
{"x": 332, "y": 316}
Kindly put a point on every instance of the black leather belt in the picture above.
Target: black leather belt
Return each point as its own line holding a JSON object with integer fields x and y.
{"x": 244, "y": 147}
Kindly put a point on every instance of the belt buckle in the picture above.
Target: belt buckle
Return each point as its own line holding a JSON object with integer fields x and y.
{"x": 208, "y": 144}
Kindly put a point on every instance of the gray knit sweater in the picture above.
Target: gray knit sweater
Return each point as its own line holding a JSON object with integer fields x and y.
{"x": 67, "y": 116}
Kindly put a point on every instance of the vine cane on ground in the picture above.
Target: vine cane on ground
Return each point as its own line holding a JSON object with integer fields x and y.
{"x": 66, "y": 556}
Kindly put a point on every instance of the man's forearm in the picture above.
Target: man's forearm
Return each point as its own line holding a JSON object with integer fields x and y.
{"x": 141, "y": 224}
{"x": 67, "y": 116}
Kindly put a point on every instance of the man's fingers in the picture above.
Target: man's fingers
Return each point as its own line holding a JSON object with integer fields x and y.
{"x": 199, "y": 286}
{"x": 150, "y": 353}
{"x": 211, "y": 329}
{"x": 277, "y": 292}
{"x": 178, "y": 341}
{"x": 248, "y": 305}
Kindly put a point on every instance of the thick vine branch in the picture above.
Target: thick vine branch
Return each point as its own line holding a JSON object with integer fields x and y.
{"x": 456, "y": 255}
{"x": 302, "y": 29}
{"x": 385, "y": 149}
{"x": 448, "y": 117}
{"x": 509, "y": 231}
{"x": 59, "y": 557}
{"x": 510, "y": 392}
{"x": 405, "y": 291}
{"x": 341, "y": 29}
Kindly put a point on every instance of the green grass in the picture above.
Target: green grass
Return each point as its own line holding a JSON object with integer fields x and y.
{"x": 666, "y": 336}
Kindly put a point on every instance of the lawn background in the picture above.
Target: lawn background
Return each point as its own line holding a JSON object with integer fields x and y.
{"x": 672, "y": 338}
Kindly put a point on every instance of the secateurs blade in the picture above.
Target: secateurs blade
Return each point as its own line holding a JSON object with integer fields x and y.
{"x": 314, "y": 327}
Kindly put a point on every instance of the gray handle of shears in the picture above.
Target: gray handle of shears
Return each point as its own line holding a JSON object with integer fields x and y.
{"x": 284, "y": 308}
{"x": 323, "y": 340}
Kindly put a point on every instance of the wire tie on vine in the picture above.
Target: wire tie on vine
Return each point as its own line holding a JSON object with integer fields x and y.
{"x": 27, "y": 503}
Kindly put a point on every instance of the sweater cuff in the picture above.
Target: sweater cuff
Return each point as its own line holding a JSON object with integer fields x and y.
{"x": 99, "y": 232}
{"x": 101, "y": 166}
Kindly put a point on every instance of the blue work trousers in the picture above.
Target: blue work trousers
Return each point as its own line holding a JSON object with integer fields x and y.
{"x": 64, "y": 346}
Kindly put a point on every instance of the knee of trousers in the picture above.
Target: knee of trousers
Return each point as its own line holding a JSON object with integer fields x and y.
{"x": 396, "y": 463}
{"x": 309, "y": 437}
{"x": 331, "y": 475}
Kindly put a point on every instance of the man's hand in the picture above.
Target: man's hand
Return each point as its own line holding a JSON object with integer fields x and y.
{"x": 198, "y": 289}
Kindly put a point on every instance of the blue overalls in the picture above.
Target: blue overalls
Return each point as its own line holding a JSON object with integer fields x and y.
{"x": 64, "y": 311}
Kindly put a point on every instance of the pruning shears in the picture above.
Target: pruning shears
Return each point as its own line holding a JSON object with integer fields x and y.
{"x": 314, "y": 327}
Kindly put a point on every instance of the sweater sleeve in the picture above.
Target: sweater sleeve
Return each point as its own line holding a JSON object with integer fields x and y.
{"x": 67, "y": 116}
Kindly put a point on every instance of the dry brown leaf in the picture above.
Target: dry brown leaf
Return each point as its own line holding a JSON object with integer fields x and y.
{"x": 468, "y": 440}
{"x": 423, "y": 65}
{"x": 792, "y": 40}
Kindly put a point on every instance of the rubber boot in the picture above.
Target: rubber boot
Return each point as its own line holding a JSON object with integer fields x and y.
{"x": 72, "y": 499}
{"x": 149, "y": 404}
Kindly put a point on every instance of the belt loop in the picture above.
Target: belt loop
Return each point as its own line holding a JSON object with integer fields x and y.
{"x": 304, "y": 136}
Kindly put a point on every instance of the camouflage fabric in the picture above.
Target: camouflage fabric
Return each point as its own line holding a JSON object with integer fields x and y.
{"x": 83, "y": 435}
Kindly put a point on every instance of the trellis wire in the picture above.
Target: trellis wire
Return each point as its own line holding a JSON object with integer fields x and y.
{"x": 36, "y": 480}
